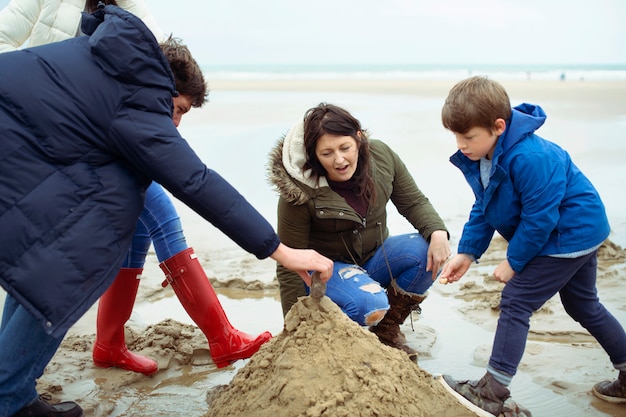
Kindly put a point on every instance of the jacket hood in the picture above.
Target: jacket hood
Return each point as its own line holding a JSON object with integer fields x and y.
{"x": 121, "y": 44}
{"x": 285, "y": 169}
{"x": 525, "y": 120}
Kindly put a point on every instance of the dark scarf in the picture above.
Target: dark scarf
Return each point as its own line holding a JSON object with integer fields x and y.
{"x": 346, "y": 190}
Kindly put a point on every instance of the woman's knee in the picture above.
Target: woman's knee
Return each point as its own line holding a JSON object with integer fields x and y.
{"x": 374, "y": 317}
{"x": 368, "y": 305}
{"x": 359, "y": 296}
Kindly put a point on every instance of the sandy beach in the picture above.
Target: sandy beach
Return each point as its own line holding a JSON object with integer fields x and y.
{"x": 233, "y": 134}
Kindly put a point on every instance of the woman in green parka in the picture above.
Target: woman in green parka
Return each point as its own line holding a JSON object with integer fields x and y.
{"x": 334, "y": 184}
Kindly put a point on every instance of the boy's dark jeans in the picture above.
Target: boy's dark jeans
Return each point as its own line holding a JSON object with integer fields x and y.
{"x": 575, "y": 280}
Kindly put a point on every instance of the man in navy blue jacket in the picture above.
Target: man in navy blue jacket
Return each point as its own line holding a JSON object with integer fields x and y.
{"x": 85, "y": 125}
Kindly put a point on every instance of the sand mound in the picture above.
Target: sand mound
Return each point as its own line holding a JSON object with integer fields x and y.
{"x": 324, "y": 364}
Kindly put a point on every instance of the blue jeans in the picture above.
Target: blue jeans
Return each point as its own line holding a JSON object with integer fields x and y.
{"x": 158, "y": 224}
{"x": 25, "y": 350}
{"x": 359, "y": 290}
{"x": 542, "y": 278}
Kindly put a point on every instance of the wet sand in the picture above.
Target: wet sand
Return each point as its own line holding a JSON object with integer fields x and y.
{"x": 453, "y": 335}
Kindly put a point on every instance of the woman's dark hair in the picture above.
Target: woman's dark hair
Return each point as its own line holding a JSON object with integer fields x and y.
{"x": 92, "y": 5}
{"x": 333, "y": 120}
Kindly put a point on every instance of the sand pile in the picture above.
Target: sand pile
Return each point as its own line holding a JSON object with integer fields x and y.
{"x": 324, "y": 364}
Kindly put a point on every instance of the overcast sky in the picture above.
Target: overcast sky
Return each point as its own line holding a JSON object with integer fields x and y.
{"x": 526, "y": 32}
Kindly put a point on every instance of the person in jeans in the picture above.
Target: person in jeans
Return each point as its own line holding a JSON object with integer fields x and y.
{"x": 85, "y": 126}
{"x": 334, "y": 183}
{"x": 530, "y": 191}
{"x": 39, "y": 22}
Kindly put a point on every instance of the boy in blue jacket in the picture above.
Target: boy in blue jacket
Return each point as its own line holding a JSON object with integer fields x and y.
{"x": 530, "y": 192}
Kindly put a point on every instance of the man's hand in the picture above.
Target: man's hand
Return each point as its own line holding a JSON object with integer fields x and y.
{"x": 302, "y": 261}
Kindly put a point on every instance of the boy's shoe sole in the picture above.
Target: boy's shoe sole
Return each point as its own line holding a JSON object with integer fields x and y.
{"x": 464, "y": 401}
{"x": 608, "y": 398}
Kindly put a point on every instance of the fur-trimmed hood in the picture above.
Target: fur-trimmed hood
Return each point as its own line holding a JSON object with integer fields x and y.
{"x": 285, "y": 168}
{"x": 312, "y": 215}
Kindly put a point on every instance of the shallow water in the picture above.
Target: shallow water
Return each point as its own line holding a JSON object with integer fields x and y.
{"x": 159, "y": 395}
{"x": 458, "y": 348}
{"x": 447, "y": 343}
{"x": 455, "y": 353}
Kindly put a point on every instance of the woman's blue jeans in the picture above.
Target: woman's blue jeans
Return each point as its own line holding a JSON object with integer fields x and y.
{"x": 158, "y": 224}
{"x": 359, "y": 290}
{"x": 25, "y": 350}
{"x": 543, "y": 277}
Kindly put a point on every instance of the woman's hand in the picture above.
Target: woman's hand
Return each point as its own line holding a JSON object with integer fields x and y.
{"x": 455, "y": 268}
{"x": 438, "y": 251}
{"x": 302, "y": 261}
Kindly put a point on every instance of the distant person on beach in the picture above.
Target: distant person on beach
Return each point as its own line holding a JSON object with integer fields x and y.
{"x": 41, "y": 22}
{"x": 334, "y": 184}
{"x": 85, "y": 126}
{"x": 530, "y": 192}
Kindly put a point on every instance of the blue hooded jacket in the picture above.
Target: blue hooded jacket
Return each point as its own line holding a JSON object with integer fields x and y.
{"x": 537, "y": 199}
{"x": 85, "y": 124}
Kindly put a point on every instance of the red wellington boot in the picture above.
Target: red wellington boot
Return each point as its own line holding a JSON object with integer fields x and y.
{"x": 114, "y": 310}
{"x": 193, "y": 289}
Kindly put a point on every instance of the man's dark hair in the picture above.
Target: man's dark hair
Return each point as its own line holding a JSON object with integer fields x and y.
{"x": 189, "y": 78}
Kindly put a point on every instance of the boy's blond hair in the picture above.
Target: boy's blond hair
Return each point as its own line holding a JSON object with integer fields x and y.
{"x": 475, "y": 102}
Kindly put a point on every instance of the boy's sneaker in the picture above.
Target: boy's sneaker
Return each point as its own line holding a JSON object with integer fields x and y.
{"x": 613, "y": 392}
{"x": 489, "y": 395}
{"x": 41, "y": 408}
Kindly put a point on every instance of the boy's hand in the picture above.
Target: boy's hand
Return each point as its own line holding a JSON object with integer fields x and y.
{"x": 503, "y": 272}
{"x": 456, "y": 267}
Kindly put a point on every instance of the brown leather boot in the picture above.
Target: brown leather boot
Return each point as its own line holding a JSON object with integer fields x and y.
{"x": 613, "y": 392}
{"x": 388, "y": 330}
